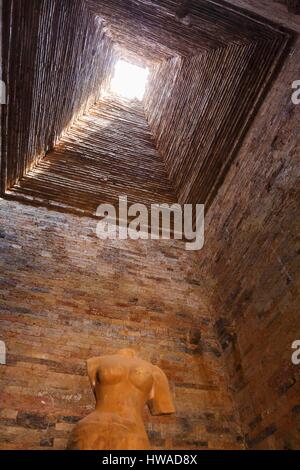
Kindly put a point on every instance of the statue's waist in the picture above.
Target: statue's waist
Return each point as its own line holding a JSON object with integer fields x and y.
{"x": 103, "y": 431}
{"x": 100, "y": 418}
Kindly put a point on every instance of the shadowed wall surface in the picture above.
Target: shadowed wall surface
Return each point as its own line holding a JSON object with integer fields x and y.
{"x": 56, "y": 59}
{"x": 250, "y": 267}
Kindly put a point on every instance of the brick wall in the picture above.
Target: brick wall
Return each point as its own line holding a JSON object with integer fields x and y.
{"x": 250, "y": 267}
{"x": 67, "y": 296}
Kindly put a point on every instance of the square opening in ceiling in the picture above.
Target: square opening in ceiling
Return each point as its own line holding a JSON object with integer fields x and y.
{"x": 129, "y": 80}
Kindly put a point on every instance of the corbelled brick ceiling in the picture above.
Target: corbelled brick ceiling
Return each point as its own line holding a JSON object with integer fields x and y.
{"x": 67, "y": 145}
{"x": 75, "y": 160}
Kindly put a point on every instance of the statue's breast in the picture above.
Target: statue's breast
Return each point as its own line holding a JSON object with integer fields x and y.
{"x": 141, "y": 377}
{"x": 111, "y": 374}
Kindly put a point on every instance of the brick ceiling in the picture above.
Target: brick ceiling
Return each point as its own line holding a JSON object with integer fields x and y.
{"x": 68, "y": 146}
{"x": 292, "y": 5}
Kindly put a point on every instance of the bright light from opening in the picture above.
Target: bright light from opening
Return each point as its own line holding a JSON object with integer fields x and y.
{"x": 129, "y": 80}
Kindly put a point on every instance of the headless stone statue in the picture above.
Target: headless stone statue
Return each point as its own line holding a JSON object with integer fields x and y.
{"x": 122, "y": 384}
